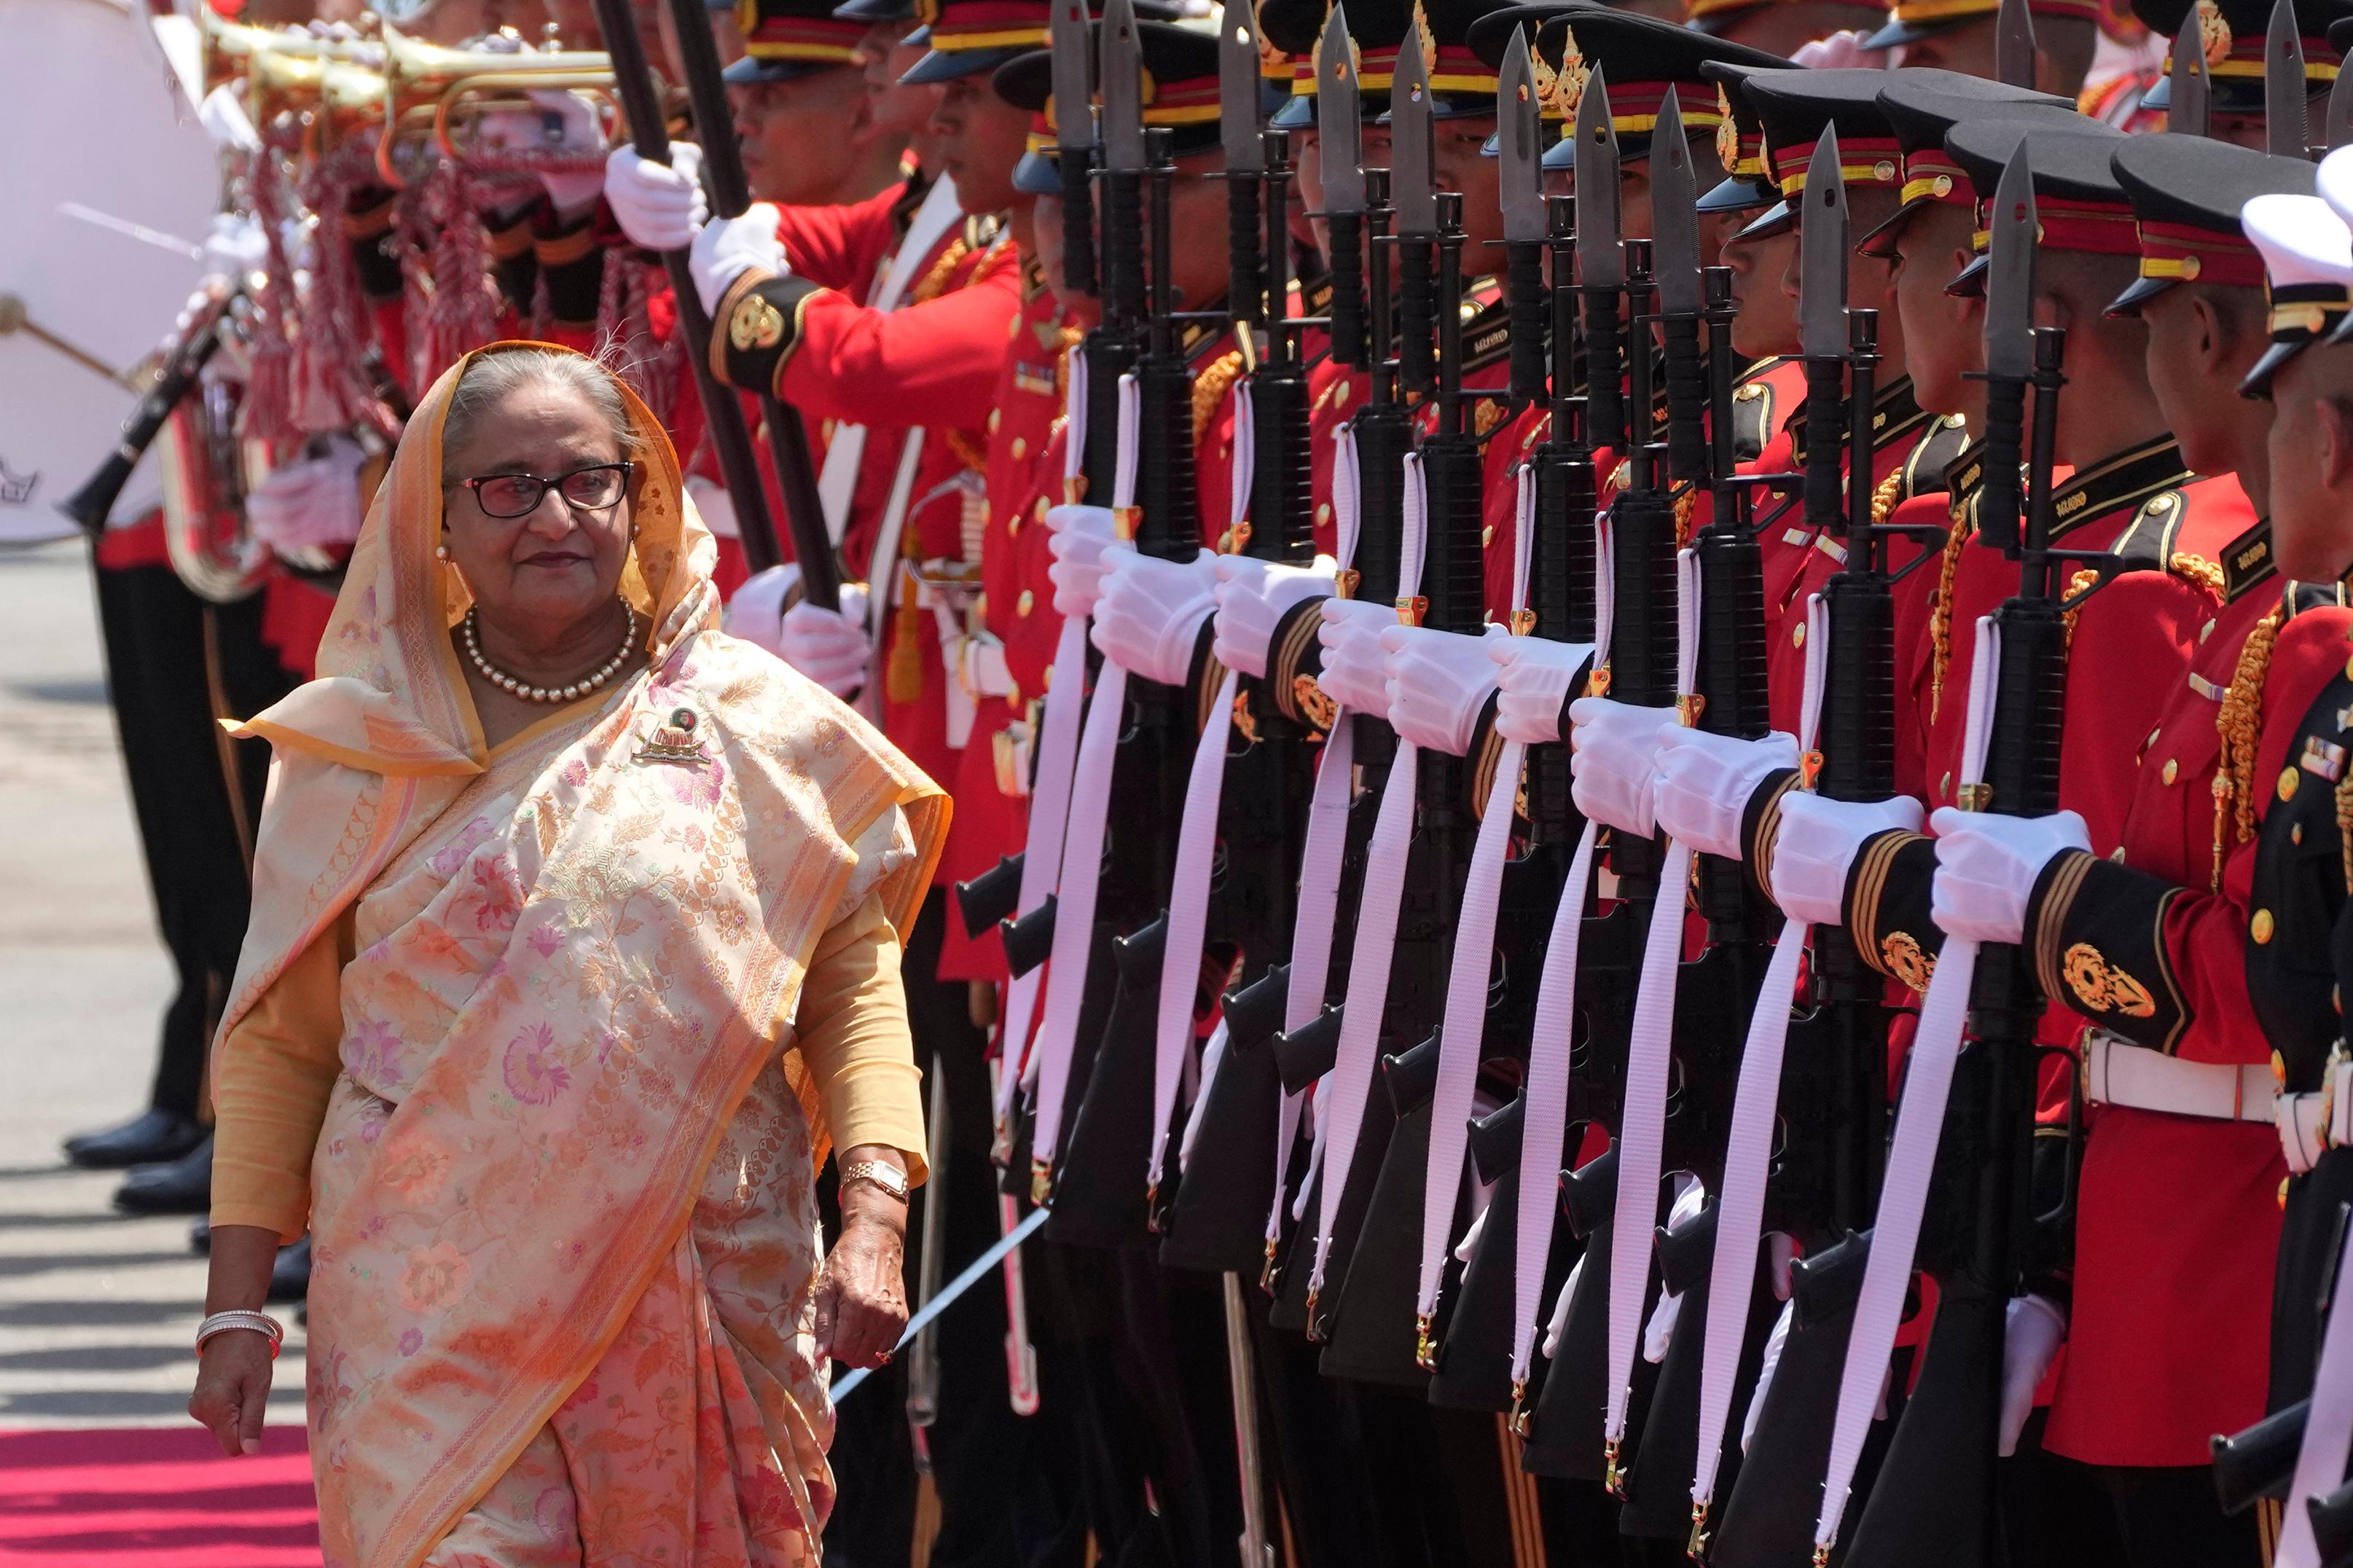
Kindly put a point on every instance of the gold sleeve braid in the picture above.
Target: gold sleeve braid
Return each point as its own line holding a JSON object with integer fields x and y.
{"x": 1210, "y": 389}
{"x": 2240, "y": 724}
{"x": 1940, "y": 616}
{"x": 2207, "y": 574}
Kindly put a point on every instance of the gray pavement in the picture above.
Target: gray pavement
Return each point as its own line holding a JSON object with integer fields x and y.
{"x": 95, "y": 1309}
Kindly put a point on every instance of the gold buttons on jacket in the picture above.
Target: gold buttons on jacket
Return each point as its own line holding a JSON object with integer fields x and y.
{"x": 2279, "y": 1068}
{"x": 1020, "y": 447}
{"x": 1025, "y": 603}
{"x": 1798, "y": 635}
{"x": 2288, "y": 781}
{"x": 2171, "y": 769}
{"x": 1324, "y": 511}
{"x": 1487, "y": 536}
{"x": 2260, "y": 928}
{"x": 994, "y": 415}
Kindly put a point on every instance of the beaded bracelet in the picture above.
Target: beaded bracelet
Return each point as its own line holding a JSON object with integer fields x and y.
{"x": 258, "y": 1322}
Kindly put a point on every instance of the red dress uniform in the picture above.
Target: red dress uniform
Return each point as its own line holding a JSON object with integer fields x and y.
{"x": 2178, "y": 1216}
{"x": 934, "y": 362}
{"x": 1017, "y": 605}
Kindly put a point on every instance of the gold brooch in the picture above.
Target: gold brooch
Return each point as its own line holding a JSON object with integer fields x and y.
{"x": 677, "y": 739}
{"x": 1313, "y": 702}
{"x": 1727, "y": 133}
{"x": 2213, "y": 32}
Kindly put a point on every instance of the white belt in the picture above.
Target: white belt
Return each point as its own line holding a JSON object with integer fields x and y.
{"x": 982, "y": 668}
{"x": 2312, "y": 1124}
{"x": 2117, "y": 1072}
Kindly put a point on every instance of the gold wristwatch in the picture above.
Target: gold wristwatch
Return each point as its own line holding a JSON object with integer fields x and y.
{"x": 890, "y": 1178}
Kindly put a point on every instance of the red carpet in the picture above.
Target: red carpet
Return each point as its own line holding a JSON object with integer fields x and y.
{"x": 155, "y": 1498}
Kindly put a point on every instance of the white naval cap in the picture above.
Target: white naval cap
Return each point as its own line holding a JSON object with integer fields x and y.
{"x": 2307, "y": 255}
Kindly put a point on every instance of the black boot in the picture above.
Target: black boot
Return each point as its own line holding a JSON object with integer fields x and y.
{"x": 183, "y": 1185}
{"x": 148, "y": 1138}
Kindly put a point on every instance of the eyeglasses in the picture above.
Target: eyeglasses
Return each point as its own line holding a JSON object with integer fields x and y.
{"x": 598, "y": 487}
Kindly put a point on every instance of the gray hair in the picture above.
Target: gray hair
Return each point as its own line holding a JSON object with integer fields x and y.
{"x": 490, "y": 379}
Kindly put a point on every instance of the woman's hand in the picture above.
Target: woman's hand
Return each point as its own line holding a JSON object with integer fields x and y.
{"x": 233, "y": 1369}
{"x": 861, "y": 1304}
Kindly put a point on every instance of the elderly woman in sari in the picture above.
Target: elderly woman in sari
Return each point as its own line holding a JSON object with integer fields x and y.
{"x": 575, "y": 942}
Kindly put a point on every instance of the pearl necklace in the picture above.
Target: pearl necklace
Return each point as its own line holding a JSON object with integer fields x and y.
{"x": 529, "y": 693}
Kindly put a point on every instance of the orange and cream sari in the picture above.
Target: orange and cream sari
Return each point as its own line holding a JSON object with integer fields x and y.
{"x": 565, "y": 1242}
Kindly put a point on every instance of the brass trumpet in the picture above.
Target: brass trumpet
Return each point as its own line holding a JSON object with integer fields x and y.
{"x": 431, "y": 89}
{"x": 350, "y": 97}
{"x": 227, "y": 49}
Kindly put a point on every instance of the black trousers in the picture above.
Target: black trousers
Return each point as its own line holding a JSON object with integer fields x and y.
{"x": 175, "y": 664}
{"x": 1004, "y": 1484}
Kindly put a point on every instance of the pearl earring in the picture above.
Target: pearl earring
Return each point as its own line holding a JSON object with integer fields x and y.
{"x": 440, "y": 553}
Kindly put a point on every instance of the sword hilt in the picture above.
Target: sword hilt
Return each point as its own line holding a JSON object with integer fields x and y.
{"x": 1348, "y": 310}
{"x": 1531, "y": 307}
{"x": 1245, "y": 274}
{"x": 1686, "y": 400}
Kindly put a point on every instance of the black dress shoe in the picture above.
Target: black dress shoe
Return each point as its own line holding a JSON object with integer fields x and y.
{"x": 183, "y": 1185}
{"x": 200, "y": 1236}
{"x": 147, "y": 1138}
{"x": 290, "y": 1276}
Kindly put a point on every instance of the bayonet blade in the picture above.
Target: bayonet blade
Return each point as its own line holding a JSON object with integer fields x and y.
{"x": 1519, "y": 172}
{"x": 2284, "y": 86}
{"x": 1238, "y": 80}
{"x": 1412, "y": 185}
{"x": 1822, "y": 254}
{"x": 1601, "y": 259}
{"x": 2010, "y": 271}
{"x": 1122, "y": 75}
{"x": 1339, "y": 122}
{"x": 2013, "y": 43}
{"x": 2187, "y": 114}
{"x": 1674, "y": 218}
{"x": 1074, "y": 115}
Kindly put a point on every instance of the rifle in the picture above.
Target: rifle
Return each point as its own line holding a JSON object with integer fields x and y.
{"x": 1593, "y": 956}
{"x": 1105, "y": 1204}
{"x": 1976, "y": 1234}
{"x": 723, "y": 174}
{"x": 1711, "y": 997}
{"x": 1376, "y": 1336}
{"x": 1307, "y": 1051}
{"x": 1217, "y": 1219}
{"x": 1511, "y": 1148}
{"x": 1828, "y": 1091}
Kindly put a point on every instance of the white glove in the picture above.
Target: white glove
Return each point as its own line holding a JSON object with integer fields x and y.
{"x": 1079, "y": 537}
{"x": 659, "y": 205}
{"x": 313, "y": 503}
{"x": 1772, "y": 1358}
{"x": 829, "y": 646}
{"x": 1150, "y": 616}
{"x": 1436, "y": 683}
{"x": 755, "y": 611}
{"x": 1536, "y": 675}
{"x": 1986, "y": 865}
{"x": 2034, "y": 1329}
{"x": 565, "y": 124}
{"x": 728, "y": 247}
{"x": 1253, "y": 596}
{"x": 1356, "y": 667}
{"x": 235, "y": 245}
{"x": 1614, "y": 768}
{"x": 1819, "y": 839}
{"x": 1705, "y": 781}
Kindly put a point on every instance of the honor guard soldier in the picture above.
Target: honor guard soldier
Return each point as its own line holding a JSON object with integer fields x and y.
{"x": 2177, "y": 1215}
{"x": 1929, "y": 238}
{"x": 1913, "y": 444}
{"x": 2237, "y": 37}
